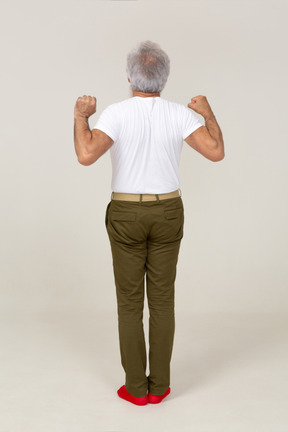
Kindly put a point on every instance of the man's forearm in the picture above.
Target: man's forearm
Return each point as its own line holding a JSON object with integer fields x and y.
{"x": 82, "y": 136}
{"x": 214, "y": 130}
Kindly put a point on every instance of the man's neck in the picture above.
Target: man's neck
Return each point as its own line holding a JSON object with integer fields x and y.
{"x": 143, "y": 94}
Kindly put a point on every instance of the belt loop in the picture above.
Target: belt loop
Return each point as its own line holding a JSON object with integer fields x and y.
{"x": 180, "y": 193}
{"x": 141, "y": 198}
{"x": 112, "y": 195}
{"x": 157, "y": 198}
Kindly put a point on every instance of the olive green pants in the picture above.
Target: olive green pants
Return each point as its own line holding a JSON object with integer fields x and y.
{"x": 145, "y": 239}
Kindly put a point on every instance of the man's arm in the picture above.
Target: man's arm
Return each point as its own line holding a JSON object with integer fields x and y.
{"x": 89, "y": 145}
{"x": 208, "y": 139}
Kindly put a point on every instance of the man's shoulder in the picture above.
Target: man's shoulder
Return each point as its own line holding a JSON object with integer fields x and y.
{"x": 172, "y": 104}
{"x": 112, "y": 106}
{"x": 128, "y": 102}
{"x": 118, "y": 105}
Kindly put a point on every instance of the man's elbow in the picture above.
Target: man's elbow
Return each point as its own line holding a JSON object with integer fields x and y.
{"x": 218, "y": 156}
{"x": 86, "y": 161}
{"x": 218, "y": 153}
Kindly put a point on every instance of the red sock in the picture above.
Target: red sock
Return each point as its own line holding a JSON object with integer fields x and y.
{"x": 123, "y": 393}
{"x": 154, "y": 399}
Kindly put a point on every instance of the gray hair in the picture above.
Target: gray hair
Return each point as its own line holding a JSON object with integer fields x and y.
{"x": 148, "y": 67}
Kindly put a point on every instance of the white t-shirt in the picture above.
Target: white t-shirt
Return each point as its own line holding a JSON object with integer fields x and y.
{"x": 148, "y": 134}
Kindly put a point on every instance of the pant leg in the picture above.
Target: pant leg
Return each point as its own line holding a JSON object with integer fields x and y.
{"x": 162, "y": 256}
{"x": 128, "y": 245}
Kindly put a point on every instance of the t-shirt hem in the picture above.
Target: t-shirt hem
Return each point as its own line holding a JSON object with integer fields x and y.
{"x": 106, "y": 131}
{"x": 150, "y": 192}
{"x": 190, "y": 131}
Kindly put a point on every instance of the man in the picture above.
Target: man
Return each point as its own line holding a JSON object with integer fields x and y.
{"x": 145, "y": 216}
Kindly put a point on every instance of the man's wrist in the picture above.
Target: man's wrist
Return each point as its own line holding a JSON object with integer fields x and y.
{"x": 80, "y": 117}
{"x": 209, "y": 116}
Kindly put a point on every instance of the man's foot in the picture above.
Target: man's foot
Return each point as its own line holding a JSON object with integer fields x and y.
{"x": 154, "y": 399}
{"x": 123, "y": 393}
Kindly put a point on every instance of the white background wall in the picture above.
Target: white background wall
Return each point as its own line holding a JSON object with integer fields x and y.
{"x": 55, "y": 251}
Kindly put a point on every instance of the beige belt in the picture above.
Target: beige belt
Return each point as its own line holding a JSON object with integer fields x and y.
{"x": 144, "y": 197}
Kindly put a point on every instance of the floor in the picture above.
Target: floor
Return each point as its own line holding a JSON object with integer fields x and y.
{"x": 60, "y": 371}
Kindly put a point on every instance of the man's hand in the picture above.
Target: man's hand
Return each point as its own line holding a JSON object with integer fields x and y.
{"x": 200, "y": 105}
{"x": 85, "y": 106}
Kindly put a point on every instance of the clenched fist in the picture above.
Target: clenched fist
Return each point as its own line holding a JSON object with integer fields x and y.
{"x": 85, "y": 106}
{"x": 200, "y": 105}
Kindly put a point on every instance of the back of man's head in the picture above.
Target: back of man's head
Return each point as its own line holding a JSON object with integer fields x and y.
{"x": 148, "y": 67}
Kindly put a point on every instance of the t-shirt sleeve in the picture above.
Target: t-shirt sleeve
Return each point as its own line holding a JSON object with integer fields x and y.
{"x": 189, "y": 122}
{"x": 109, "y": 122}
